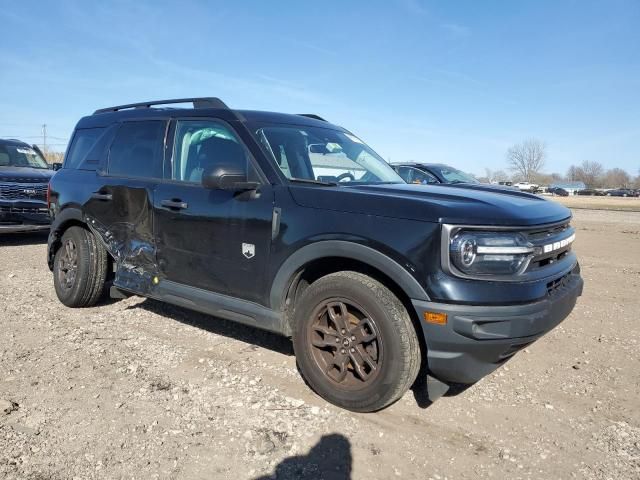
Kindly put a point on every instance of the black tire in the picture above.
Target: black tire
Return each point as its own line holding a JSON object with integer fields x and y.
{"x": 83, "y": 286}
{"x": 395, "y": 350}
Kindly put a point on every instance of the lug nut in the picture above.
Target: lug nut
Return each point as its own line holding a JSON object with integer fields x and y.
{"x": 353, "y": 337}
{"x": 343, "y": 351}
{"x": 337, "y": 340}
{"x": 352, "y": 350}
{"x": 343, "y": 331}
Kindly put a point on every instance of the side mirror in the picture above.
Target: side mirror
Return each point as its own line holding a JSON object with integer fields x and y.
{"x": 56, "y": 166}
{"x": 227, "y": 177}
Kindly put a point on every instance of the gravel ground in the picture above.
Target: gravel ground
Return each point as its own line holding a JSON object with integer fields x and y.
{"x": 138, "y": 389}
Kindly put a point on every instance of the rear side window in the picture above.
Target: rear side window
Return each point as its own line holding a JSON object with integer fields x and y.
{"x": 83, "y": 140}
{"x": 137, "y": 150}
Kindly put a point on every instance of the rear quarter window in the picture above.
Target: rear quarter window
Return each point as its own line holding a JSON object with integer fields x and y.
{"x": 84, "y": 140}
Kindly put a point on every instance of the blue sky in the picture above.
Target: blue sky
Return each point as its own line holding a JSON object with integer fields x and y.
{"x": 457, "y": 82}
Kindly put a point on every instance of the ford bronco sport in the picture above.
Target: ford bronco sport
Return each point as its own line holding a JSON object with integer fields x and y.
{"x": 24, "y": 176}
{"x": 294, "y": 225}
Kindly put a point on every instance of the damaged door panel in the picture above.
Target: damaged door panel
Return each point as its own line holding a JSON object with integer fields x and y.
{"x": 122, "y": 217}
{"x": 120, "y": 209}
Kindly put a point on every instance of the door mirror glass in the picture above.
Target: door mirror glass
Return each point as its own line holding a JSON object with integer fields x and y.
{"x": 56, "y": 166}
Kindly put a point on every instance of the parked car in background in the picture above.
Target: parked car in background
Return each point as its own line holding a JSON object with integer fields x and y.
{"x": 590, "y": 191}
{"x": 236, "y": 214}
{"x": 426, "y": 173}
{"x": 622, "y": 192}
{"x": 527, "y": 187}
{"x": 561, "y": 192}
{"x": 24, "y": 177}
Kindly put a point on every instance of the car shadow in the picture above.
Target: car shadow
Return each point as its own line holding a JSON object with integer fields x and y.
{"x": 21, "y": 239}
{"x": 219, "y": 326}
{"x": 329, "y": 459}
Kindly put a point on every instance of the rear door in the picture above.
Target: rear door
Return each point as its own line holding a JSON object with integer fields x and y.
{"x": 120, "y": 208}
{"x": 215, "y": 240}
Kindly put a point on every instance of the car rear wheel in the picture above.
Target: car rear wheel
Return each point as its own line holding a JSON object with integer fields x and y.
{"x": 354, "y": 342}
{"x": 79, "y": 268}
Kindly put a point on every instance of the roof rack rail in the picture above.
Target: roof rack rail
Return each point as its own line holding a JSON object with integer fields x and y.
{"x": 312, "y": 115}
{"x": 199, "y": 102}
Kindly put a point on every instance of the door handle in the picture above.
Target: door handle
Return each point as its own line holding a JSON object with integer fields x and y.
{"x": 174, "y": 204}
{"x": 105, "y": 197}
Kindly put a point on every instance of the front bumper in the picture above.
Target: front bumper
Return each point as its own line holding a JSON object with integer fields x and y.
{"x": 478, "y": 339}
{"x": 23, "y": 216}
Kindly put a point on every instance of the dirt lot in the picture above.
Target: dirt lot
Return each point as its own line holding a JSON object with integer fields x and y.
{"x": 629, "y": 204}
{"x": 136, "y": 389}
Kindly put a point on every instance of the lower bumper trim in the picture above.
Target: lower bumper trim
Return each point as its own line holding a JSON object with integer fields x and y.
{"x": 478, "y": 339}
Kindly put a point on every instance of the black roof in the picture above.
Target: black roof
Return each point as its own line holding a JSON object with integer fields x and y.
{"x": 13, "y": 141}
{"x": 419, "y": 164}
{"x": 202, "y": 107}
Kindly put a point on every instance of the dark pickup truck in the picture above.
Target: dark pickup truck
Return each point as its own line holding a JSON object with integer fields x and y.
{"x": 24, "y": 176}
{"x": 294, "y": 225}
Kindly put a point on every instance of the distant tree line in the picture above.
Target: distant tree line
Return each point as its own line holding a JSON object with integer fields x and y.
{"x": 51, "y": 156}
{"x": 526, "y": 160}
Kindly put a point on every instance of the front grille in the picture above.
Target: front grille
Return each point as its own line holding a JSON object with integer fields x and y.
{"x": 23, "y": 191}
{"x": 23, "y": 210}
{"x": 549, "y": 236}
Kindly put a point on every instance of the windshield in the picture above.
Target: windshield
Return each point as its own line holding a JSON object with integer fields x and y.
{"x": 324, "y": 155}
{"x": 451, "y": 175}
{"x": 20, "y": 156}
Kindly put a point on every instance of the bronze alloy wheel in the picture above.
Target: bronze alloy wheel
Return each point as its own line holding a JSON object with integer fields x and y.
{"x": 345, "y": 343}
{"x": 68, "y": 264}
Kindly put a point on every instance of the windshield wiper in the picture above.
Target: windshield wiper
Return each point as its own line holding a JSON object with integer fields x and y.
{"x": 310, "y": 180}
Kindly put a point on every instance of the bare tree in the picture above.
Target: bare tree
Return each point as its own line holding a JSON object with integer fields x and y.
{"x": 51, "y": 156}
{"x": 590, "y": 173}
{"x": 494, "y": 176}
{"x": 616, "y": 178}
{"x": 573, "y": 173}
{"x": 526, "y": 159}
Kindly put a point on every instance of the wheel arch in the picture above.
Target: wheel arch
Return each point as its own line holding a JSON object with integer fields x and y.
{"x": 322, "y": 258}
{"x": 63, "y": 220}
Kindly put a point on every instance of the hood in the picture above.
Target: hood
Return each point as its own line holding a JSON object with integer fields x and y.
{"x": 25, "y": 175}
{"x": 475, "y": 204}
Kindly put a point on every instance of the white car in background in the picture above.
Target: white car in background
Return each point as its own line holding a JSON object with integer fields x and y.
{"x": 527, "y": 187}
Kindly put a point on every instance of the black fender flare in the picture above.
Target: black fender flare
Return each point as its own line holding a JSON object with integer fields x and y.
{"x": 63, "y": 217}
{"x": 350, "y": 250}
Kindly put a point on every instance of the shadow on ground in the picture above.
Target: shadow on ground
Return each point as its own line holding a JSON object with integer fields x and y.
{"x": 329, "y": 459}
{"x": 20, "y": 239}
{"x": 219, "y": 326}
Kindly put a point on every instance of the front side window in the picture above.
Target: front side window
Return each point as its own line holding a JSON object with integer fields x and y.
{"x": 137, "y": 149}
{"x": 322, "y": 154}
{"x": 202, "y": 144}
{"x": 20, "y": 156}
{"x": 421, "y": 177}
{"x": 452, "y": 175}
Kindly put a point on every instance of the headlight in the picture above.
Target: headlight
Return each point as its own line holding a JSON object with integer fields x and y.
{"x": 490, "y": 253}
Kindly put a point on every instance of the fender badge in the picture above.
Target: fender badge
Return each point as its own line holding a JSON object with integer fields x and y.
{"x": 248, "y": 250}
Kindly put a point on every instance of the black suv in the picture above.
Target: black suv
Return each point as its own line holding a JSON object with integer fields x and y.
{"x": 24, "y": 176}
{"x": 294, "y": 225}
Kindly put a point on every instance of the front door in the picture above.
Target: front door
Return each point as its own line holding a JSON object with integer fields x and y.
{"x": 216, "y": 240}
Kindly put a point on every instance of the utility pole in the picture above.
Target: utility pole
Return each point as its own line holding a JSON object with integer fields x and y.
{"x": 44, "y": 137}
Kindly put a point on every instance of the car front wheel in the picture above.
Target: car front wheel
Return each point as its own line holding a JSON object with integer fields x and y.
{"x": 354, "y": 342}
